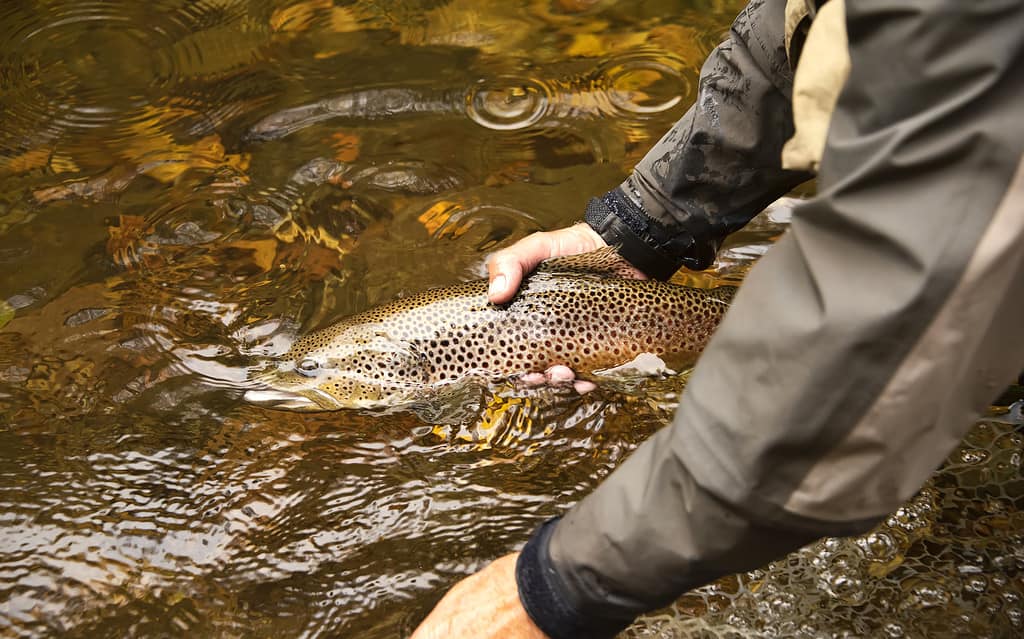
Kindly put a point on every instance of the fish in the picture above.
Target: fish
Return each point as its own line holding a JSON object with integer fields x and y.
{"x": 581, "y": 311}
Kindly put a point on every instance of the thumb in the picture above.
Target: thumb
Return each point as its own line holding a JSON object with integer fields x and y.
{"x": 507, "y": 267}
{"x": 505, "y": 271}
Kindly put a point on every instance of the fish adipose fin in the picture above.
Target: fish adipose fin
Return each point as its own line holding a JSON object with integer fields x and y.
{"x": 604, "y": 261}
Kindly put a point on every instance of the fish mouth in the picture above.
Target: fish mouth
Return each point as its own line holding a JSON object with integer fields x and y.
{"x": 309, "y": 400}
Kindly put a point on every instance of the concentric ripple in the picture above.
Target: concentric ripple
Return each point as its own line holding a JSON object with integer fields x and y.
{"x": 64, "y": 80}
{"x": 104, "y": 64}
{"x": 643, "y": 83}
{"x": 508, "y": 103}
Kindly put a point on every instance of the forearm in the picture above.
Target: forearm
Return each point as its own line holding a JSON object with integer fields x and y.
{"x": 860, "y": 347}
{"x": 720, "y": 164}
{"x": 649, "y": 533}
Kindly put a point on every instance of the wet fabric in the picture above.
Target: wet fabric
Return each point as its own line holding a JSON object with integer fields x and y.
{"x": 720, "y": 165}
{"x": 861, "y": 347}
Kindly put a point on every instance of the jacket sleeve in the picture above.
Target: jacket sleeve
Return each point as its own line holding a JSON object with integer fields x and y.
{"x": 860, "y": 348}
{"x": 719, "y": 165}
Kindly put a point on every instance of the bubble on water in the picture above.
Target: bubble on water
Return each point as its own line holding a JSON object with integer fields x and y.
{"x": 1016, "y": 616}
{"x": 922, "y": 592}
{"x": 976, "y": 584}
{"x": 973, "y": 456}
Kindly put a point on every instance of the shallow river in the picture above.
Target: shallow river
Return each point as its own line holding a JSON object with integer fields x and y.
{"x": 185, "y": 185}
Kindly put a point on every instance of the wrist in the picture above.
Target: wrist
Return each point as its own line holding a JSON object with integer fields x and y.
{"x": 588, "y": 237}
{"x": 547, "y": 600}
{"x": 621, "y": 222}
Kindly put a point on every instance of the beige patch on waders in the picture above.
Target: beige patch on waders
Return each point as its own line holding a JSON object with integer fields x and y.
{"x": 821, "y": 72}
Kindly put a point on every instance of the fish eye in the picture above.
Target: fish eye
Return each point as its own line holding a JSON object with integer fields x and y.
{"x": 307, "y": 367}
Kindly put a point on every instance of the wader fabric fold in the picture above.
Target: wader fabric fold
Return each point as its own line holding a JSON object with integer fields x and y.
{"x": 862, "y": 346}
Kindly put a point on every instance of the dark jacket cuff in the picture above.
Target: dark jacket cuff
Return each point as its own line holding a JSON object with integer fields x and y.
{"x": 546, "y": 599}
{"x": 641, "y": 240}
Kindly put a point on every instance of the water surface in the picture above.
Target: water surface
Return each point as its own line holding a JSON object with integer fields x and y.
{"x": 185, "y": 185}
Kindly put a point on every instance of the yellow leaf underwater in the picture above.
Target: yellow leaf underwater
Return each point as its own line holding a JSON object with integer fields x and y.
{"x": 346, "y": 146}
{"x": 6, "y": 313}
{"x": 299, "y": 16}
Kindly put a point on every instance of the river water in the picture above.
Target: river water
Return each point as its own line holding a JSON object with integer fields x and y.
{"x": 185, "y": 185}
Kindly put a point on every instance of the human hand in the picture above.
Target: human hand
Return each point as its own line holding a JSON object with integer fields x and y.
{"x": 482, "y": 606}
{"x": 507, "y": 267}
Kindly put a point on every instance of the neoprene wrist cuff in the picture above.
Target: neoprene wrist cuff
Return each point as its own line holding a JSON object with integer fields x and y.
{"x": 641, "y": 240}
{"x": 547, "y": 600}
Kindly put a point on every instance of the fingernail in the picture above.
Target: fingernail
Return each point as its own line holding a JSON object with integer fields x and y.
{"x": 498, "y": 285}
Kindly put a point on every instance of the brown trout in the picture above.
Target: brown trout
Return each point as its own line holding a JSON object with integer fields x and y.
{"x": 579, "y": 311}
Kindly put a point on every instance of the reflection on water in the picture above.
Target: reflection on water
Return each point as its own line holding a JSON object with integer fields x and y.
{"x": 644, "y": 83}
{"x": 186, "y": 185}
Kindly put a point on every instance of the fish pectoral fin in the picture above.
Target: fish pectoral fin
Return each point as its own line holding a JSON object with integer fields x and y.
{"x": 603, "y": 261}
{"x": 643, "y": 365}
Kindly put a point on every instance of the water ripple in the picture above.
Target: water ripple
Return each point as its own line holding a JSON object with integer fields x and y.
{"x": 634, "y": 86}
{"x": 508, "y": 103}
{"x": 643, "y": 84}
{"x": 60, "y": 77}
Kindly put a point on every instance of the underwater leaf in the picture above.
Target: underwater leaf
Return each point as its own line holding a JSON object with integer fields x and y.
{"x": 437, "y": 216}
{"x": 575, "y": 6}
{"x": 343, "y": 20}
{"x": 591, "y": 45}
{"x": 39, "y": 159}
{"x": 261, "y": 252}
{"x": 586, "y": 45}
{"x": 516, "y": 171}
{"x": 34, "y": 159}
{"x": 298, "y": 17}
{"x": 679, "y": 40}
{"x": 346, "y": 146}
{"x": 63, "y": 164}
{"x": 6, "y": 313}
{"x": 318, "y": 261}
{"x": 206, "y": 153}
{"x": 125, "y": 241}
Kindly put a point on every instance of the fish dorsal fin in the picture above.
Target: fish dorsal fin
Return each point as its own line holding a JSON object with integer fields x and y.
{"x": 604, "y": 261}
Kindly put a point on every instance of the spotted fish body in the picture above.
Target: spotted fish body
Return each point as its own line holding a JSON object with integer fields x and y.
{"x": 575, "y": 311}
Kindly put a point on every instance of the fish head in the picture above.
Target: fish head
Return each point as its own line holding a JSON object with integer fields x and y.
{"x": 322, "y": 373}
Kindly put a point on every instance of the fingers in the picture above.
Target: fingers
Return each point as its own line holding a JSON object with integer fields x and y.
{"x": 532, "y": 379}
{"x": 583, "y": 387}
{"x": 507, "y": 267}
{"x": 557, "y": 375}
